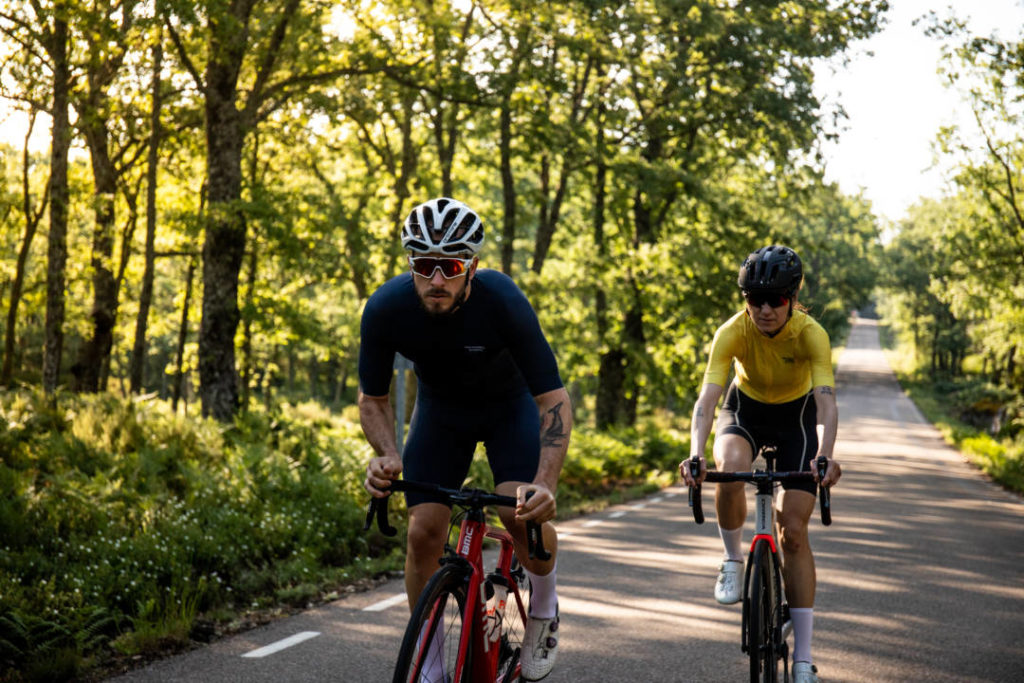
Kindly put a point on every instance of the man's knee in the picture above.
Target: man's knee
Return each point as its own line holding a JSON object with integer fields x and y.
{"x": 428, "y": 530}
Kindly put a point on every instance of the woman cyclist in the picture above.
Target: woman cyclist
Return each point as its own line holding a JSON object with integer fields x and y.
{"x": 783, "y": 394}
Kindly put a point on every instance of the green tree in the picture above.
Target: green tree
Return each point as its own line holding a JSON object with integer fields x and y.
{"x": 255, "y": 57}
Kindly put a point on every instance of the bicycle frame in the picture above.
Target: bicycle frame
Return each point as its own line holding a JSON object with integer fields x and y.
{"x": 765, "y": 531}
{"x": 484, "y": 636}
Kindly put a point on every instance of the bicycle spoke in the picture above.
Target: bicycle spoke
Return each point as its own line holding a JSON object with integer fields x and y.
{"x": 430, "y": 648}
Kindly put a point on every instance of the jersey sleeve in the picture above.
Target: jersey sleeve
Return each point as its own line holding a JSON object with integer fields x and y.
{"x": 376, "y": 353}
{"x": 723, "y": 350}
{"x": 529, "y": 347}
{"x": 821, "y": 357}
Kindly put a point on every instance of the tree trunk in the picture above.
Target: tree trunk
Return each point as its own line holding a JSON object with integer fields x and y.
{"x": 137, "y": 371}
{"x": 224, "y": 246}
{"x": 549, "y": 215}
{"x": 508, "y": 188}
{"x": 403, "y": 177}
{"x": 1011, "y": 364}
{"x": 445, "y": 136}
{"x": 32, "y": 219}
{"x": 95, "y": 352}
{"x": 57, "y": 249}
{"x": 179, "y": 359}
{"x": 609, "y": 374}
{"x": 247, "y": 355}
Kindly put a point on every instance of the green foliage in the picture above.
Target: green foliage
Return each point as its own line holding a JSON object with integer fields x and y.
{"x": 599, "y": 463}
{"x": 154, "y": 518}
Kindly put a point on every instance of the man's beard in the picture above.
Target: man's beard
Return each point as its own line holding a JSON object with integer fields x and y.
{"x": 457, "y": 301}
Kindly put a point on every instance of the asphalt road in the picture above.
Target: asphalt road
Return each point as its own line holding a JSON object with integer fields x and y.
{"x": 920, "y": 577}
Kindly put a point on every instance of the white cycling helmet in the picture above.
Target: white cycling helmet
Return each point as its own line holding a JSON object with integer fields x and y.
{"x": 443, "y": 225}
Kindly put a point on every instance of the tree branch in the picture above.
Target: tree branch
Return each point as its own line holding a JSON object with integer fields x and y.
{"x": 183, "y": 54}
{"x": 270, "y": 55}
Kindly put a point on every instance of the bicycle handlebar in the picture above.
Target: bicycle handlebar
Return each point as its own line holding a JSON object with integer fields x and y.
{"x": 474, "y": 499}
{"x": 824, "y": 497}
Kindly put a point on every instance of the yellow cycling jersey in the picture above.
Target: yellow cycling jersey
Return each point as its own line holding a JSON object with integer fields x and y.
{"x": 772, "y": 369}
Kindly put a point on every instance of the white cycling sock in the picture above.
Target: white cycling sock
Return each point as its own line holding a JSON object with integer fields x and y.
{"x": 543, "y": 596}
{"x": 803, "y": 629}
{"x": 732, "y": 539}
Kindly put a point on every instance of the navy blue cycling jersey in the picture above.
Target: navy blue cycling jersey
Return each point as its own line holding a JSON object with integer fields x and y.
{"x": 491, "y": 346}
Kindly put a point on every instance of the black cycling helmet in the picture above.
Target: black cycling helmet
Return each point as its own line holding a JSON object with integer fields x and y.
{"x": 772, "y": 269}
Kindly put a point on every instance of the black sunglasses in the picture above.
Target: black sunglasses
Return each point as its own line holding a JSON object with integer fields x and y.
{"x": 758, "y": 299}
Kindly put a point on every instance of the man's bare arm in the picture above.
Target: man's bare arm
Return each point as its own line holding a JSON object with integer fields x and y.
{"x": 377, "y": 419}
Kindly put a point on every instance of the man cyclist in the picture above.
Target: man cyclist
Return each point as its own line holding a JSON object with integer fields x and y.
{"x": 782, "y": 360}
{"x": 485, "y": 373}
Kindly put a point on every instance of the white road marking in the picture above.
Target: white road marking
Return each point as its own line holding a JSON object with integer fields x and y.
{"x": 656, "y": 499}
{"x": 384, "y": 604}
{"x": 638, "y": 506}
{"x": 617, "y": 513}
{"x": 592, "y": 522}
{"x": 282, "y": 644}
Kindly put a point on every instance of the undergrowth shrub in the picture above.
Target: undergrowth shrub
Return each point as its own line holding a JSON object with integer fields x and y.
{"x": 119, "y": 508}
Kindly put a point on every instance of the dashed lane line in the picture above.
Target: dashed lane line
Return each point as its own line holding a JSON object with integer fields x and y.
{"x": 384, "y": 604}
{"x": 282, "y": 644}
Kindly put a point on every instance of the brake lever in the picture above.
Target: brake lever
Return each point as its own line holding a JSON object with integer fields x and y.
{"x": 824, "y": 496}
{"x": 379, "y": 509}
{"x": 694, "y": 493}
{"x": 535, "y": 538}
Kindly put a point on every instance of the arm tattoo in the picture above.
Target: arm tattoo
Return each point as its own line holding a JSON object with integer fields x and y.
{"x": 553, "y": 435}
{"x": 700, "y": 411}
{"x": 825, "y": 390}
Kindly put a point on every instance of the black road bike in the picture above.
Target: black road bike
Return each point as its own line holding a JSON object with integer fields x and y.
{"x": 765, "y": 613}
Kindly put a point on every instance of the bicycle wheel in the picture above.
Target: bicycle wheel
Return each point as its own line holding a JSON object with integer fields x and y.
{"x": 513, "y": 627}
{"x": 762, "y": 605}
{"x": 430, "y": 648}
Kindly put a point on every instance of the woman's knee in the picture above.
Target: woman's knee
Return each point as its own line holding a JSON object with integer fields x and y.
{"x": 733, "y": 453}
{"x": 792, "y": 536}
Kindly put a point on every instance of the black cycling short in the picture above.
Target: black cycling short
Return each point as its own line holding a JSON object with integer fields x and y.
{"x": 791, "y": 427}
{"x": 443, "y": 435}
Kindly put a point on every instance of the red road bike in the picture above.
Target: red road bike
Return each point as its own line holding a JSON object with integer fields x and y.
{"x": 468, "y": 624}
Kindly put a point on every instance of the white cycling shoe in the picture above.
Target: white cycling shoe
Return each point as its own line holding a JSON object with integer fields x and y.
{"x": 805, "y": 672}
{"x": 540, "y": 648}
{"x": 727, "y": 588}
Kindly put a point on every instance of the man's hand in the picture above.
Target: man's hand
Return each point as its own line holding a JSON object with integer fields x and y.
{"x": 684, "y": 470}
{"x": 379, "y": 474}
{"x": 540, "y": 508}
{"x": 832, "y": 474}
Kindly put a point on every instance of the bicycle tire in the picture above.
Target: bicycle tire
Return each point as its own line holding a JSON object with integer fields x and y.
{"x": 444, "y": 594}
{"x": 762, "y": 604}
{"x": 513, "y": 627}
